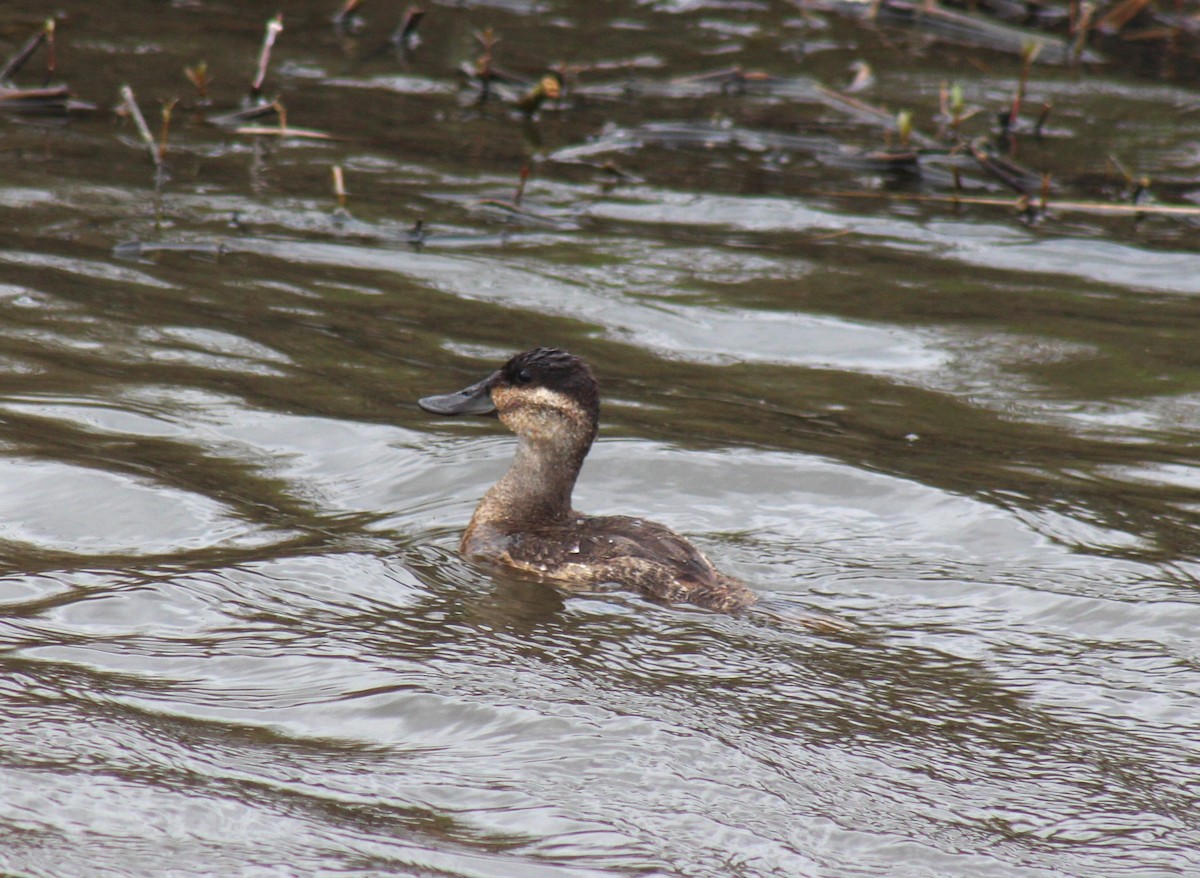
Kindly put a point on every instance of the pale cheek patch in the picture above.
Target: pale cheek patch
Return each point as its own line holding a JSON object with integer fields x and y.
{"x": 536, "y": 412}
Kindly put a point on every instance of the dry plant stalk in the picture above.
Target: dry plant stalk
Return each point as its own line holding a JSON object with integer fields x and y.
{"x": 23, "y": 54}
{"x": 164, "y": 133}
{"x": 339, "y": 187}
{"x": 198, "y": 76}
{"x": 274, "y": 27}
{"x": 406, "y": 32}
{"x": 129, "y": 104}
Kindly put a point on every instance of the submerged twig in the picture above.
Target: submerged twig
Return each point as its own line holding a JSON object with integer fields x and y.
{"x": 244, "y": 115}
{"x": 1043, "y": 115}
{"x": 520, "y": 193}
{"x": 1138, "y": 188}
{"x": 160, "y": 170}
{"x": 965, "y": 28}
{"x": 165, "y": 131}
{"x": 1011, "y": 175}
{"x": 342, "y": 17}
{"x": 861, "y": 109}
{"x": 1028, "y": 55}
{"x": 405, "y": 34}
{"x": 417, "y": 235}
{"x": 1120, "y": 15}
{"x": 1083, "y": 24}
{"x": 735, "y": 78}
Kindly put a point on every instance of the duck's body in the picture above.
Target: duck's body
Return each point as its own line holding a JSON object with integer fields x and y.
{"x": 550, "y": 399}
{"x": 596, "y": 550}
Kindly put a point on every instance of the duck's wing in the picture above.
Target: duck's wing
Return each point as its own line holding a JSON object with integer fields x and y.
{"x": 620, "y": 536}
{"x": 659, "y": 563}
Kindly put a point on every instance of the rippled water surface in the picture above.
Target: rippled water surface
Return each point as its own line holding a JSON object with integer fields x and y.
{"x": 235, "y": 633}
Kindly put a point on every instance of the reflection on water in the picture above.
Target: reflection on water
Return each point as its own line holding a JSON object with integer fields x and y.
{"x": 236, "y": 637}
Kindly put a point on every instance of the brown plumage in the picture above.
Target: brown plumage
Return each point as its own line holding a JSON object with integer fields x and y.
{"x": 551, "y": 400}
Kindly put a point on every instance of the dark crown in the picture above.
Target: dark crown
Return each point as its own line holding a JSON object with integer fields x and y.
{"x": 556, "y": 370}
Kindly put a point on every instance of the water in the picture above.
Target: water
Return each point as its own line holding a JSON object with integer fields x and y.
{"x": 235, "y": 634}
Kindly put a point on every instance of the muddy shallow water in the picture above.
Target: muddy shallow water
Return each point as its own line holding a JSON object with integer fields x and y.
{"x": 235, "y": 634}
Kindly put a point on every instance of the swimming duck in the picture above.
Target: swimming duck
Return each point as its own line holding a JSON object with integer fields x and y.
{"x": 551, "y": 400}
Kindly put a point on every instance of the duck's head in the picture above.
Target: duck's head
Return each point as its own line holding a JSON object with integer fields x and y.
{"x": 543, "y": 395}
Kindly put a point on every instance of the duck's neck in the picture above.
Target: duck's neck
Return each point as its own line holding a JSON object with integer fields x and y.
{"x": 536, "y": 488}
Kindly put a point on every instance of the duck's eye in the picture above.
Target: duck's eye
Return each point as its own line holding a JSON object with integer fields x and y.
{"x": 523, "y": 376}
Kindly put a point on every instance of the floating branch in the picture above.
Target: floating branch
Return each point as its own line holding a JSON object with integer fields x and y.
{"x": 1021, "y": 202}
{"x": 56, "y": 99}
{"x": 282, "y": 130}
{"x": 274, "y": 27}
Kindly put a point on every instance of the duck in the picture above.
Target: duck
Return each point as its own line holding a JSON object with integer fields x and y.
{"x": 525, "y": 522}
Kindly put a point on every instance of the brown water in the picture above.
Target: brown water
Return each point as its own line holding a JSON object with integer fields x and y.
{"x": 235, "y": 636}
